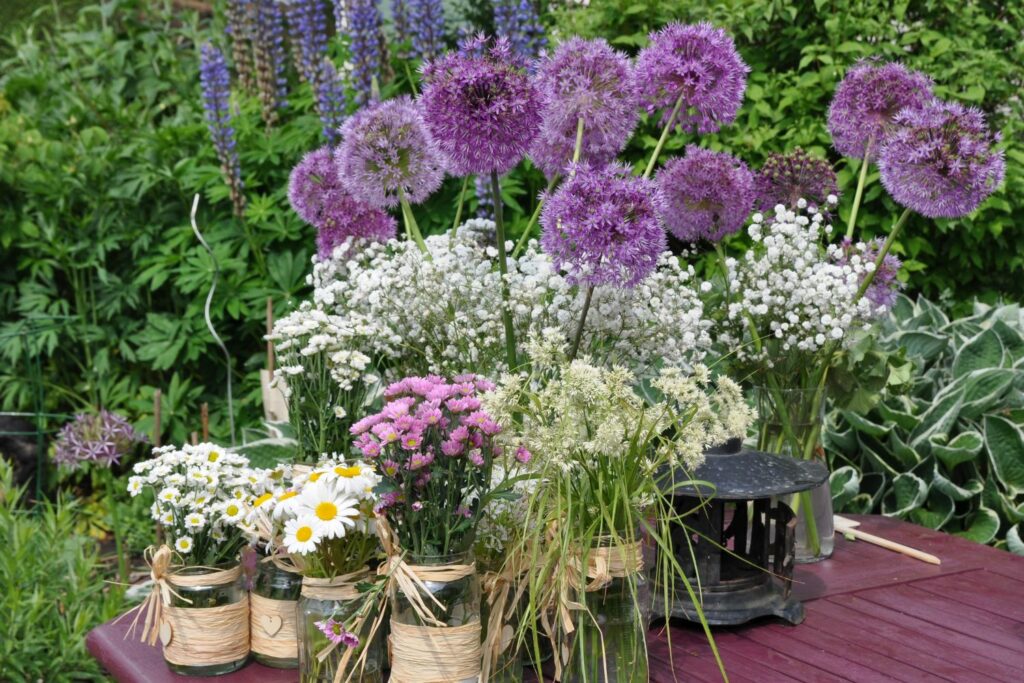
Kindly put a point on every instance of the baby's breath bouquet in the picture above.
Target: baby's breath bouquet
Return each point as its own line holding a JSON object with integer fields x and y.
{"x": 600, "y": 438}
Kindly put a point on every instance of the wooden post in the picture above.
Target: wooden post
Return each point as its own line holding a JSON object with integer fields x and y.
{"x": 204, "y": 419}
{"x": 157, "y": 429}
{"x": 195, "y": 438}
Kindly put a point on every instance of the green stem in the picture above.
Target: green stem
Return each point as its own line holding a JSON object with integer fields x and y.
{"x": 583, "y": 319}
{"x": 578, "y": 149}
{"x": 521, "y": 244}
{"x": 886, "y": 246}
{"x": 725, "y": 270}
{"x": 506, "y": 312}
{"x": 664, "y": 136}
{"x": 412, "y": 230}
{"x": 462, "y": 201}
{"x": 412, "y": 81}
{"x": 859, "y": 194}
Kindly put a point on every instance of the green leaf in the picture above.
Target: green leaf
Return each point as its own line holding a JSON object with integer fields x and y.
{"x": 924, "y": 345}
{"x": 937, "y": 510}
{"x": 844, "y": 484}
{"x": 908, "y": 492}
{"x": 1005, "y": 444}
{"x": 1013, "y": 541}
{"x": 983, "y": 351}
{"x": 982, "y": 526}
{"x": 903, "y": 420}
{"x": 863, "y": 425}
{"x": 937, "y": 420}
{"x": 984, "y": 389}
{"x": 965, "y": 446}
{"x": 970, "y": 489}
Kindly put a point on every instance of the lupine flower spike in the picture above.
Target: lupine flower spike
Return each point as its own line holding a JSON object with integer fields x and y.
{"x": 216, "y": 86}
{"x": 366, "y": 44}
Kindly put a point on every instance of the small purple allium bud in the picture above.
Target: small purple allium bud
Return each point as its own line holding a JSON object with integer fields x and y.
{"x": 707, "y": 195}
{"x": 787, "y": 178}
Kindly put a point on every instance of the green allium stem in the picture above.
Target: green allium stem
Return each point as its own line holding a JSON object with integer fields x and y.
{"x": 412, "y": 229}
{"x": 462, "y": 201}
{"x": 886, "y": 246}
{"x": 664, "y": 137}
{"x": 859, "y": 194}
{"x": 506, "y": 312}
{"x": 583, "y": 319}
{"x": 521, "y": 244}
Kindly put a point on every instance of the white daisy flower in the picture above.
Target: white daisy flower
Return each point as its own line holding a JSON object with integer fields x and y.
{"x": 285, "y": 503}
{"x": 194, "y": 521}
{"x": 301, "y": 535}
{"x": 167, "y": 518}
{"x": 232, "y": 511}
{"x": 183, "y": 545}
{"x": 169, "y": 495}
{"x": 334, "y": 510}
{"x": 134, "y": 486}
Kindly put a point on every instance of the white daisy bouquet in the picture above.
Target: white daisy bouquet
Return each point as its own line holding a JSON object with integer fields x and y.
{"x": 203, "y": 495}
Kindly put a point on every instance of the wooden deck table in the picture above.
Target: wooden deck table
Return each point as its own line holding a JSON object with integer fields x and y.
{"x": 872, "y": 615}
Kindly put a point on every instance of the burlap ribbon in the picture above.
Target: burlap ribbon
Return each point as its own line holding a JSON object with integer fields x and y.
{"x": 433, "y": 654}
{"x": 273, "y": 627}
{"x": 159, "y": 562}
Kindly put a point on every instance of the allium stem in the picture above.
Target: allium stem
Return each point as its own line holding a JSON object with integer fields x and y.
{"x": 583, "y": 320}
{"x": 412, "y": 229}
{"x": 861, "y": 180}
{"x": 462, "y": 201}
{"x": 886, "y": 246}
{"x": 664, "y": 136}
{"x": 579, "y": 144}
{"x": 506, "y": 312}
{"x": 521, "y": 244}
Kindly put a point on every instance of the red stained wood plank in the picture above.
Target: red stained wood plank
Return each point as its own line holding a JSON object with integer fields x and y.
{"x": 871, "y": 633}
{"x": 980, "y": 589}
{"x": 981, "y": 656}
{"x": 938, "y": 610}
{"x": 698, "y": 663}
{"x": 1017, "y": 573}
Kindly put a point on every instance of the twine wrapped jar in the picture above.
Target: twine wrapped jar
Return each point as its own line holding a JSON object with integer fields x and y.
{"x": 204, "y": 624}
{"x": 273, "y": 622}
{"x": 435, "y": 620}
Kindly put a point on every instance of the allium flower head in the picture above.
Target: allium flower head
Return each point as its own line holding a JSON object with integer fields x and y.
{"x": 102, "y": 438}
{"x": 481, "y": 107}
{"x": 866, "y": 101}
{"x": 601, "y": 226}
{"x": 585, "y": 79}
{"x": 707, "y": 195}
{"x": 316, "y": 194}
{"x": 386, "y": 152}
{"x": 885, "y": 284}
{"x": 939, "y": 160}
{"x": 698, "y": 62}
{"x": 787, "y": 178}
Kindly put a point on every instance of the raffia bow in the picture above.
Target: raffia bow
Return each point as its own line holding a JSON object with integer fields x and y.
{"x": 503, "y": 590}
{"x": 159, "y": 561}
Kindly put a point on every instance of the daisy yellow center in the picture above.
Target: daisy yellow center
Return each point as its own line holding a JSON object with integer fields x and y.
{"x": 327, "y": 511}
{"x": 232, "y": 510}
{"x": 303, "y": 534}
{"x": 213, "y": 456}
{"x": 348, "y": 472}
{"x": 315, "y": 475}
{"x": 287, "y": 494}
{"x": 262, "y": 499}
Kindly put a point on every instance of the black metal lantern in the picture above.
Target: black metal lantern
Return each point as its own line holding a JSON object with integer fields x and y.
{"x": 738, "y": 536}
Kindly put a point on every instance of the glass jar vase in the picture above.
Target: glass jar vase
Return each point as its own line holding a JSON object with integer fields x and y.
{"x": 319, "y": 607}
{"x": 790, "y": 422}
{"x": 609, "y": 643}
{"x": 273, "y": 623}
{"x": 205, "y": 628}
{"x": 445, "y": 645}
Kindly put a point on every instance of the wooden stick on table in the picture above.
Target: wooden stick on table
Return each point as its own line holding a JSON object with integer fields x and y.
{"x": 849, "y": 527}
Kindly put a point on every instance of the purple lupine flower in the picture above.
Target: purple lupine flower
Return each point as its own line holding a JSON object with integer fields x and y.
{"x": 787, "y": 178}
{"x": 103, "y": 438}
{"x": 584, "y": 79}
{"x": 940, "y": 161}
{"x": 307, "y": 34}
{"x": 601, "y": 226}
{"x": 698, "y": 63}
{"x": 481, "y": 107}
{"x": 517, "y": 20}
{"x": 330, "y": 100}
{"x": 270, "y": 59}
{"x": 386, "y": 154}
{"x": 882, "y": 292}
{"x": 241, "y": 17}
{"x": 426, "y": 19}
{"x": 484, "y": 198}
{"x": 866, "y": 100}
{"x": 707, "y": 194}
{"x": 216, "y": 86}
{"x": 317, "y": 195}
{"x": 400, "y": 18}
{"x": 366, "y": 44}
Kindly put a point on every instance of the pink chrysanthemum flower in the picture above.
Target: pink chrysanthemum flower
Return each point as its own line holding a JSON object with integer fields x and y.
{"x": 336, "y": 633}
{"x": 707, "y": 194}
{"x": 699, "y": 63}
{"x": 481, "y": 107}
{"x": 867, "y": 99}
{"x": 386, "y": 153}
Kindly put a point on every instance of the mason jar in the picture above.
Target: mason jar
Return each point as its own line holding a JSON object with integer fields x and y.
{"x": 322, "y": 605}
{"x": 273, "y": 621}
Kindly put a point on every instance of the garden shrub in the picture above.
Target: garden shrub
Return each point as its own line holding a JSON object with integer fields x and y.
{"x": 49, "y": 600}
{"x": 946, "y": 448}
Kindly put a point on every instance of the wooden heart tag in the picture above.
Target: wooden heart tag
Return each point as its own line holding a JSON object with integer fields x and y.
{"x": 166, "y": 633}
{"x": 271, "y": 624}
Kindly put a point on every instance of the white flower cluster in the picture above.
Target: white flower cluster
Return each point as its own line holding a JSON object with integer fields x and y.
{"x": 789, "y": 296}
{"x": 203, "y": 496}
{"x": 442, "y": 314}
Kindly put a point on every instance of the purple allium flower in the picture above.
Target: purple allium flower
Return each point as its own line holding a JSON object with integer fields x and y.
{"x": 330, "y": 100}
{"x": 481, "y": 107}
{"x": 102, "y": 439}
{"x": 601, "y": 226}
{"x": 866, "y": 100}
{"x": 787, "y": 178}
{"x": 699, "y": 63}
{"x": 316, "y": 194}
{"x": 885, "y": 284}
{"x": 386, "y": 153}
{"x": 366, "y": 43}
{"x": 939, "y": 160}
{"x": 707, "y": 195}
{"x": 336, "y": 633}
{"x": 270, "y": 59}
{"x": 517, "y": 20}
{"x": 241, "y": 17}
{"x": 584, "y": 79}
{"x": 426, "y": 19}
{"x": 307, "y": 34}
{"x": 216, "y": 86}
